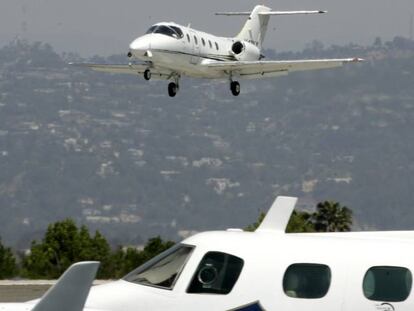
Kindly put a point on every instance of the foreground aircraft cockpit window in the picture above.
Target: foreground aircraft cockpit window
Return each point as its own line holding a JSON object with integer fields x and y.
{"x": 311, "y": 281}
{"x": 163, "y": 270}
{"x": 387, "y": 283}
{"x": 178, "y": 31}
{"x": 171, "y": 31}
{"x": 217, "y": 273}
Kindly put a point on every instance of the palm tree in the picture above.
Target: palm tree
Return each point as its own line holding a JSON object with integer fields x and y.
{"x": 330, "y": 216}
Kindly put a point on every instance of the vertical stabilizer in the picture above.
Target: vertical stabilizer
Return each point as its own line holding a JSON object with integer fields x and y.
{"x": 277, "y": 218}
{"x": 72, "y": 289}
{"x": 254, "y": 30}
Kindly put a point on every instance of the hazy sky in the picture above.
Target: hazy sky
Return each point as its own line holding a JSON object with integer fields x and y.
{"x": 107, "y": 26}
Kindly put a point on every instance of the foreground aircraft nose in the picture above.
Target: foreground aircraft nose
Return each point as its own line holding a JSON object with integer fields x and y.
{"x": 140, "y": 47}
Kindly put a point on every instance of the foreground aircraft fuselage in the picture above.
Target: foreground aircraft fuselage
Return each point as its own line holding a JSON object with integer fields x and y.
{"x": 170, "y": 51}
{"x": 246, "y": 271}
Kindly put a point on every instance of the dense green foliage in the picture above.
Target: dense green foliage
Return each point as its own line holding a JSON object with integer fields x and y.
{"x": 329, "y": 216}
{"x": 64, "y": 243}
{"x": 8, "y": 266}
{"x": 332, "y": 217}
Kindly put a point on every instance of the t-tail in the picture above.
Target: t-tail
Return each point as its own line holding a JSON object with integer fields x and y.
{"x": 254, "y": 31}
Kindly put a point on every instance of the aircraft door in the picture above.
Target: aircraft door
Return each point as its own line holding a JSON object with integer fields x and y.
{"x": 195, "y": 55}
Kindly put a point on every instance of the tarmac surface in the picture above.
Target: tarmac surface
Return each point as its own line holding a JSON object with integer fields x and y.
{"x": 21, "y": 291}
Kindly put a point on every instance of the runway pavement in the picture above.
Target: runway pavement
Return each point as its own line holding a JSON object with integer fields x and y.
{"x": 21, "y": 291}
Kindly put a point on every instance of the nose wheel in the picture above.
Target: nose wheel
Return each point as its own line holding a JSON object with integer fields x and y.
{"x": 235, "y": 88}
{"x": 147, "y": 74}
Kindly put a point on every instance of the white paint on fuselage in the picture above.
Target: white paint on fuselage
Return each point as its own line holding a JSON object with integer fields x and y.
{"x": 184, "y": 55}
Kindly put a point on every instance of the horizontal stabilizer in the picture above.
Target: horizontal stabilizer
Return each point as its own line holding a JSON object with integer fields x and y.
{"x": 71, "y": 290}
{"x": 277, "y": 218}
{"x": 292, "y": 12}
{"x": 234, "y": 13}
{"x": 270, "y": 13}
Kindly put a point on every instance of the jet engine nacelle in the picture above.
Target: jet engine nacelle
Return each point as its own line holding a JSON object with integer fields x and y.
{"x": 245, "y": 51}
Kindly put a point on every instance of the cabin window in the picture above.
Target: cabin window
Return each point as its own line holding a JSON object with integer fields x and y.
{"x": 217, "y": 273}
{"x": 195, "y": 40}
{"x": 210, "y": 44}
{"x": 385, "y": 283}
{"x": 217, "y": 46}
{"x": 163, "y": 270}
{"x": 310, "y": 281}
{"x": 188, "y": 38}
{"x": 203, "y": 41}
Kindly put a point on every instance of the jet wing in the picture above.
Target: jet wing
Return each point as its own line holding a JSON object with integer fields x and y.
{"x": 134, "y": 69}
{"x": 266, "y": 69}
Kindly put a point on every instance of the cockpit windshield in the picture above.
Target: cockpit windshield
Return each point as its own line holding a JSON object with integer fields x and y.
{"x": 163, "y": 270}
{"x": 168, "y": 30}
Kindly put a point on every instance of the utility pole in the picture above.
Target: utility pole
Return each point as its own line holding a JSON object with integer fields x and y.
{"x": 411, "y": 27}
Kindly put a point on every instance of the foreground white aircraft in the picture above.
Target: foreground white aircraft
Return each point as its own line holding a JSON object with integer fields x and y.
{"x": 253, "y": 271}
{"x": 170, "y": 51}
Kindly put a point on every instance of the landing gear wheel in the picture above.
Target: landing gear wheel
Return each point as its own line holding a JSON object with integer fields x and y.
{"x": 147, "y": 75}
{"x": 235, "y": 88}
{"x": 172, "y": 89}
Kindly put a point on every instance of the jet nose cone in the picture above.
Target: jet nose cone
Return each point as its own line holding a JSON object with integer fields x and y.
{"x": 139, "y": 46}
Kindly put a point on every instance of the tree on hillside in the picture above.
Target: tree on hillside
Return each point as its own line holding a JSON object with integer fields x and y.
{"x": 8, "y": 267}
{"x": 330, "y": 216}
{"x": 64, "y": 244}
{"x": 300, "y": 222}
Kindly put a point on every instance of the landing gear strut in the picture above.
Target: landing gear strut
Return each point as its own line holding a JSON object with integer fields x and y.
{"x": 147, "y": 74}
{"x": 235, "y": 88}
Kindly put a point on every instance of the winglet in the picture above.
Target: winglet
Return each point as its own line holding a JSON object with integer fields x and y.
{"x": 278, "y": 216}
{"x": 71, "y": 290}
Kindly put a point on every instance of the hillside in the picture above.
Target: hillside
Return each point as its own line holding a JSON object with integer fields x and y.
{"x": 118, "y": 154}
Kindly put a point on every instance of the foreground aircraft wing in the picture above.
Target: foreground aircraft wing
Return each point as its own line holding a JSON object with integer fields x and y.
{"x": 266, "y": 69}
{"x": 134, "y": 69}
{"x": 72, "y": 289}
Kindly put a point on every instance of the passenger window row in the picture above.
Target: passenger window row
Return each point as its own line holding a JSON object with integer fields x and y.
{"x": 381, "y": 283}
{"x": 204, "y": 42}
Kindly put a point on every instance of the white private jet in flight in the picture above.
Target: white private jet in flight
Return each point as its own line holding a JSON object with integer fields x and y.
{"x": 267, "y": 270}
{"x": 170, "y": 51}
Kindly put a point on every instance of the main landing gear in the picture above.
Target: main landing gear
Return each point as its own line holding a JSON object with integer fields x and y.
{"x": 173, "y": 87}
{"x": 235, "y": 88}
{"x": 147, "y": 74}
